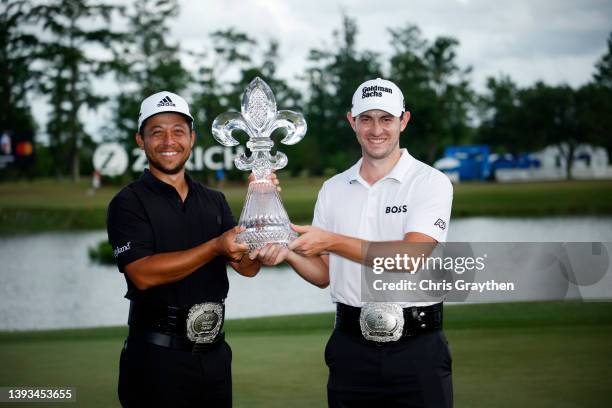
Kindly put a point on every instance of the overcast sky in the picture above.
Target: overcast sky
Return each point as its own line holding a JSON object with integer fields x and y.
{"x": 557, "y": 41}
{"x": 553, "y": 40}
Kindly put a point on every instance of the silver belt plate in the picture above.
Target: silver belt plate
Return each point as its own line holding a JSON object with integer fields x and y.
{"x": 204, "y": 322}
{"x": 381, "y": 322}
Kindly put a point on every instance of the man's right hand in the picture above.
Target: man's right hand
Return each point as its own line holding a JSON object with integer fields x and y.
{"x": 228, "y": 247}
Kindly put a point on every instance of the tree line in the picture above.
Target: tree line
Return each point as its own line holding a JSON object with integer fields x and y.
{"x": 56, "y": 50}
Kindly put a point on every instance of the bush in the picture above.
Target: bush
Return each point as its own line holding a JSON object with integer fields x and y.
{"x": 102, "y": 253}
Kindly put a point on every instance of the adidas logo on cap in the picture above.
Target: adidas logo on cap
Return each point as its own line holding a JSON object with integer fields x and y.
{"x": 165, "y": 102}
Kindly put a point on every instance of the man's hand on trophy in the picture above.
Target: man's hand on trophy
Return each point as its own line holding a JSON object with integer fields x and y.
{"x": 273, "y": 179}
{"x": 270, "y": 255}
{"x": 313, "y": 240}
{"x": 227, "y": 245}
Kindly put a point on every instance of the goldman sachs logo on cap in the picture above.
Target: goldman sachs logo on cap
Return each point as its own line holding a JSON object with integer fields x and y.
{"x": 374, "y": 90}
{"x": 165, "y": 102}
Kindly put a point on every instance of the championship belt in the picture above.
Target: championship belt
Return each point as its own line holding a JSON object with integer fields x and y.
{"x": 381, "y": 322}
{"x": 204, "y": 322}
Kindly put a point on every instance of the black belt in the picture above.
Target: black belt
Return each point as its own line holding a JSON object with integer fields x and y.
{"x": 157, "y": 317}
{"x": 172, "y": 341}
{"x": 417, "y": 320}
{"x": 163, "y": 325}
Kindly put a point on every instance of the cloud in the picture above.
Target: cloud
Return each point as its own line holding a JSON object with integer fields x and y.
{"x": 494, "y": 36}
{"x": 556, "y": 41}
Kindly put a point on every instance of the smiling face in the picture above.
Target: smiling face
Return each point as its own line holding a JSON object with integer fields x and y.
{"x": 378, "y": 132}
{"x": 167, "y": 140}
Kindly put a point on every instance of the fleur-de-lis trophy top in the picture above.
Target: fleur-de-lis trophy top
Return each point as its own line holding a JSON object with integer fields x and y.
{"x": 258, "y": 119}
{"x": 263, "y": 214}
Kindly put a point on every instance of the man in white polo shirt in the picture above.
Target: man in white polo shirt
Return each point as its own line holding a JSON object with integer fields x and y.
{"x": 387, "y": 196}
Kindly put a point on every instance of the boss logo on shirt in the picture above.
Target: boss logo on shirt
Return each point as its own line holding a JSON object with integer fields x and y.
{"x": 119, "y": 250}
{"x": 394, "y": 209}
{"x": 440, "y": 223}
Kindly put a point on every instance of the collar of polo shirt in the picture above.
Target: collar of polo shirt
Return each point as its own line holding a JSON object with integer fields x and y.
{"x": 163, "y": 187}
{"x": 398, "y": 173}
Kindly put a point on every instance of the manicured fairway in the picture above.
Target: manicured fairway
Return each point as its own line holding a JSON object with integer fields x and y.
{"x": 504, "y": 355}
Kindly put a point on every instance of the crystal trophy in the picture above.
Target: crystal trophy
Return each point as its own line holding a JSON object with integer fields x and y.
{"x": 263, "y": 214}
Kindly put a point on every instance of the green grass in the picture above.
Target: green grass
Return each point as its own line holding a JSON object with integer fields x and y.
{"x": 548, "y": 354}
{"x": 49, "y": 205}
{"x": 533, "y": 199}
{"x": 45, "y": 205}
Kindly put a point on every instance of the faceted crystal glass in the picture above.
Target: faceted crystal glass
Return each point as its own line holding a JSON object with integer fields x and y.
{"x": 263, "y": 214}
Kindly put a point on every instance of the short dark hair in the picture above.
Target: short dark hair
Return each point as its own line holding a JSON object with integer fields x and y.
{"x": 144, "y": 122}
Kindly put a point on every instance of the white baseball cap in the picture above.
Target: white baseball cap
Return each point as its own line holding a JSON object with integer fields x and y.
{"x": 160, "y": 102}
{"x": 378, "y": 94}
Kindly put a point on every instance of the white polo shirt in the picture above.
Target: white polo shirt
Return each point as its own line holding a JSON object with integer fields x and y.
{"x": 413, "y": 197}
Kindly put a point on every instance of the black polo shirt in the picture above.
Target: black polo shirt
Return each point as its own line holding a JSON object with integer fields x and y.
{"x": 148, "y": 217}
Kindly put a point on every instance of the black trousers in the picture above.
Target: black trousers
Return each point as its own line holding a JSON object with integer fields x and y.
{"x": 154, "y": 376}
{"x": 413, "y": 373}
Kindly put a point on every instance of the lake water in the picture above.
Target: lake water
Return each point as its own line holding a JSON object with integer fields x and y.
{"x": 47, "y": 280}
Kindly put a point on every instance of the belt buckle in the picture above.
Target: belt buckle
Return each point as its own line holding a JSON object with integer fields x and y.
{"x": 381, "y": 322}
{"x": 204, "y": 322}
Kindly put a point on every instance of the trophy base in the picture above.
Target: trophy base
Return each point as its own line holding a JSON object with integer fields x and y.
{"x": 259, "y": 237}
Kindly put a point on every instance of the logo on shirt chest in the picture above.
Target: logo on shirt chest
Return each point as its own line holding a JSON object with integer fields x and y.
{"x": 395, "y": 209}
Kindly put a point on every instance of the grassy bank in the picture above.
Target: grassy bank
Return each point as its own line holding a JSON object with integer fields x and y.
{"x": 504, "y": 355}
{"x": 49, "y": 205}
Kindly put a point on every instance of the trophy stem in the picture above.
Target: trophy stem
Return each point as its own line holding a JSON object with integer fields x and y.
{"x": 261, "y": 167}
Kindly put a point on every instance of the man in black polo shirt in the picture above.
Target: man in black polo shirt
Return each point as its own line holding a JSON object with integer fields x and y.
{"x": 172, "y": 238}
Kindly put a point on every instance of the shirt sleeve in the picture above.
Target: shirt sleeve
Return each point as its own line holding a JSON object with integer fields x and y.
{"x": 319, "y": 219}
{"x": 431, "y": 209}
{"x": 129, "y": 231}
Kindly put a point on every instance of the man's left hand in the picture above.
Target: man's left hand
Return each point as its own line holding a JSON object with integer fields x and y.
{"x": 313, "y": 240}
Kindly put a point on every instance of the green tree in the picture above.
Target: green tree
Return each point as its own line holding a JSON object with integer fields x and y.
{"x": 499, "y": 126}
{"x": 603, "y": 67}
{"x": 286, "y": 96}
{"x": 436, "y": 89}
{"x": 596, "y": 101}
{"x": 146, "y": 64}
{"x": 235, "y": 60}
{"x": 216, "y": 89}
{"x": 593, "y": 107}
{"x": 548, "y": 115}
{"x": 409, "y": 70}
{"x": 453, "y": 90}
{"x": 70, "y": 29}
{"x": 522, "y": 120}
{"x": 18, "y": 50}
{"x": 332, "y": 77}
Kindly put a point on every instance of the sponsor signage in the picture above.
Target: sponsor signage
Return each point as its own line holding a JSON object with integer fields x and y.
{"x": 111, "y": 159}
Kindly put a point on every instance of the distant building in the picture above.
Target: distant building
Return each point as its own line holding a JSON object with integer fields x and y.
{"x": 474, "y": 162}
{"x": 589, "y": 162}
{"x": 469, "y": 162}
